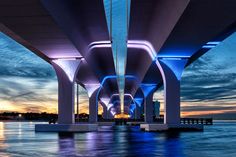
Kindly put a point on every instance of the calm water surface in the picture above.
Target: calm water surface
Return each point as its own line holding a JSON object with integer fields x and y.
{"x": 18, "y": 139}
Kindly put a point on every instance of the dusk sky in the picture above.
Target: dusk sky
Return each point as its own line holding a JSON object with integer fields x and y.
{"x": 29, "y": 84}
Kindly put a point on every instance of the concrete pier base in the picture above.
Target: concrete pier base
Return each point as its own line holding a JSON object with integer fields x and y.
{"x": 168, "y": 127}
{"x": 66, "y": 127}
{"x": 135, "y": 123}
{"x": 106, "y": 123}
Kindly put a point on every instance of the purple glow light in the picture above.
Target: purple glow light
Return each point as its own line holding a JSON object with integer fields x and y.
{"x": 69, "y": 66}
{"x": 145, "y": 45}
{"x": 109, "y": 106}
{"x": 105, "y": 101}
{"x": 138, "y": 44}
{"x": 126, "y": 94}
{"x": 91, "y": 88}
{"x": 177, "y": 65}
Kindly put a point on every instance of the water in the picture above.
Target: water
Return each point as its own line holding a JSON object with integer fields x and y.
{"x": 18, "y": 139}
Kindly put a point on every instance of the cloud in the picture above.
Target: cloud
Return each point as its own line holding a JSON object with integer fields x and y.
{"x": 16, "y": 60}
{"x": 208, "y": 85}
{"x": 208, "y": 108}
{"x": 25, "y": 93}
{"x": 27, "y": 83}
{"x": 34, "y": 109}
{"x": 213, "y": 76}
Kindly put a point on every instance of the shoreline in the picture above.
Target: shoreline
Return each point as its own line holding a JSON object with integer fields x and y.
{"x": 22, "y": 121}
{"x": 214, "y": 120}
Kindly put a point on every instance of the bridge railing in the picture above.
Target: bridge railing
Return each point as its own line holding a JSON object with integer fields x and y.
{"x": 204, "y": 121}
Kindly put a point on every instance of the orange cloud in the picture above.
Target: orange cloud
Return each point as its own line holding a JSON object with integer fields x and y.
{"x": 202, "y": 113}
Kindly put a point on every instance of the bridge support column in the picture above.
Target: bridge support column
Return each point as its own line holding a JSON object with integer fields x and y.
{"x": 148, "y": 108}
{"x": 109, "y": 112}
{"x": 93, "y": 107}
{"x": 171, "y": 70}
{"x": 109, "y": 116}
{"x": 105, "y": 115}
{"x": 66, "y": 71}
{"x": 148, "y": 90}
{"x": 104, "y": 112}
{"x": 138, "y": 112}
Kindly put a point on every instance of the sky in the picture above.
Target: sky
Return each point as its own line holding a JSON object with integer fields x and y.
{"x": 208, "y": 86}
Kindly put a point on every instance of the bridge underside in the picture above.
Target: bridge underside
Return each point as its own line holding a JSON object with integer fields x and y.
{"x": 75, "y": 38}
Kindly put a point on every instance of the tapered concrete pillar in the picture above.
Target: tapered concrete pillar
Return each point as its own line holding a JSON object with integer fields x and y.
{"x": 93, "y": 107}
{"x": 109, "y": 115}
{"x": 171, "y": 70}
{"x": 66, "y": 71}
{"x": 137, "y": 112}
{"x": 104, "y": 110}
{"x": 131, "y": 110}
{"x": 148, "y": 108}
{"x": 148, "y": 90}
{"x": 104, "y": 113}
{"x": 131, "y": 116}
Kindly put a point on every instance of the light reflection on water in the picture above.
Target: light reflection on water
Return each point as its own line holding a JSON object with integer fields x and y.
{"x": 1, "y": 131}
{"x": 3, "y": 145}
{"x": 19, "y": 139}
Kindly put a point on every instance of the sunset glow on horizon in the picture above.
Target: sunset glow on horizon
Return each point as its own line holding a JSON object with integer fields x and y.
{"x": 29, "y": 84}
